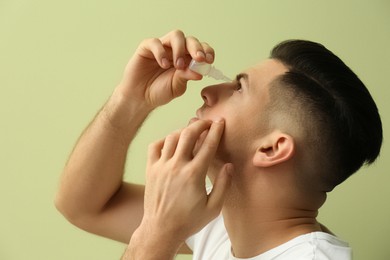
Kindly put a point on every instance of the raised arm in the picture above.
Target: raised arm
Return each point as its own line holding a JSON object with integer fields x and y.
{"x": 92, "y": 194}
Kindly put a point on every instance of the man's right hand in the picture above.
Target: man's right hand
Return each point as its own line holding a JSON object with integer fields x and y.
{"x": 158, "y": 71}
{"x": 176, "y": 203}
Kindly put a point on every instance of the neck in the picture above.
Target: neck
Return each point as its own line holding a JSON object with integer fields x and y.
{"x": 259, "y": 221}
{"x": 252, "y": 236}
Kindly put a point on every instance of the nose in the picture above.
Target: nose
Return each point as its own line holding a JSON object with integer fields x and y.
{"x": 211, "y": 95}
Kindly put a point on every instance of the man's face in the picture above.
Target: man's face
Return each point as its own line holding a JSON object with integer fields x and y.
{"x": 241, "y": 104}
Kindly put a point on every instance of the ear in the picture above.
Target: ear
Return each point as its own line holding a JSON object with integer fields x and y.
{"x": 274, "y": 148}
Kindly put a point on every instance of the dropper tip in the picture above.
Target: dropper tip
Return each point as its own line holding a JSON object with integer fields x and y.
{"x": 226, "y": 79}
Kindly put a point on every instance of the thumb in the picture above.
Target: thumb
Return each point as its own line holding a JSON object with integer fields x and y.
{"x": 220, "y": 187}
{"x": 180, "y": 79}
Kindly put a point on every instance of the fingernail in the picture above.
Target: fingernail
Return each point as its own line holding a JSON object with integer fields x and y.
{"x": 200, "y": 54}
{"x": 209, "y": 58}
{"x": 180, "y": 63}
{"x": 165, "y": 62}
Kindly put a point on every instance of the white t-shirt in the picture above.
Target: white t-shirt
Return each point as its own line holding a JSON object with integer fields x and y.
{"x": 212, "y": 243}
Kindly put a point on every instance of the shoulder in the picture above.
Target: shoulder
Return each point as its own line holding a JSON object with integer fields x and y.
{"x": 316, "y": 245}
{"x": 330, "y": 247}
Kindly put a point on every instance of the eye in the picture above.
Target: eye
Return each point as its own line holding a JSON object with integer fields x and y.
{"x": 238, "y": 82}
{"x": 238, "y": 86}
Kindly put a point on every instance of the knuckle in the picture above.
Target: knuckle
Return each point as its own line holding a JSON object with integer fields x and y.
{"x": 170, "y": 137}
{"x": 207, "y": 47}
{"x": 194, "y": 170}
{"x": 193, "y": 38}
{"x": 153, "y": 146}
{"x": 154, "y": 41}
{"x": 175, "y": 166}
{"x": 191, "y": 174}
{"x": 187, "y": 133}
{"x": 173, "y": 136}
{"x": 151, "y": 44}
{"x": 143, "y": 42}
{"x": 147, "y": 41}
{"x": 177, "y": 32}
{"x": 211, "y": 144}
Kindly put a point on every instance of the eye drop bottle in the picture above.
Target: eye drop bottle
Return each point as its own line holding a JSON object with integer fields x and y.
{"x": 206, "y": 69}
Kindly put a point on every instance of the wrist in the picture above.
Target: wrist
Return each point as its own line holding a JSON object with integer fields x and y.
{"x": 123, "y": 113}
{"x": 148, "y": 244}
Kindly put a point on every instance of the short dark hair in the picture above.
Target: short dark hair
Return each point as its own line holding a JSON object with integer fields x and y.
{"x": 346, "y": 126}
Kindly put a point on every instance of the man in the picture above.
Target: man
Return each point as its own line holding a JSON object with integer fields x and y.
{"x": 273, "y": 142}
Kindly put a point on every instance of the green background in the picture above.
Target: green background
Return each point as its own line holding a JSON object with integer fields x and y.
{"x": 60, "y": 60}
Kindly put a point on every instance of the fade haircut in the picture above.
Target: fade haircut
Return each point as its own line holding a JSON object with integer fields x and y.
{"x": 339, "y": 121}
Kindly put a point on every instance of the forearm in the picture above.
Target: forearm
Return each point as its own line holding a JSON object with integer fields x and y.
{"x": 95, "y": 168}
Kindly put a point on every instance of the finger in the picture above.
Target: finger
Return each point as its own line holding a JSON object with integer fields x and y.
{"x": 180, "y": 79}
{"x": 170, "y": 144}
{"x": 177, "y": 42}
{"x": 189, "y": 137}
{"x": 221, "y": 184}
{"x": 192, "y": 120}
{"x": 199, "y": 143}
{"x": 154, "y": 151}
{"x": 153, "y": 48}
{"x": 210, "y": 53}
{"x": 210, "y": 145}
{"x": 195, "y": 49}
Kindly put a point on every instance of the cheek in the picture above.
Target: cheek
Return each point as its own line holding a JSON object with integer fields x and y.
{"x": 237, "y": 140}
{"x": 231, "y": 141}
